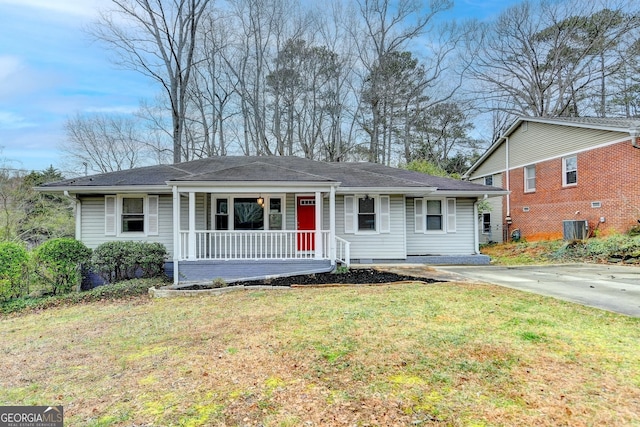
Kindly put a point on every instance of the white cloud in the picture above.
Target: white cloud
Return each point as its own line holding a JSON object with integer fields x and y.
{"x": 10, "y": 120}
{"x": 9, "y": 65}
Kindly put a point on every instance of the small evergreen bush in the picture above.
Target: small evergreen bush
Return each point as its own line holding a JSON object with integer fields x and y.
{"x": 13, "y": 270}
{"x": 59, "y": 264}
{"x": 117, "y": 261}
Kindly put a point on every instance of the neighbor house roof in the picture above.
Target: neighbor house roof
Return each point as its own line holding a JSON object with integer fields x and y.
{"x": 268, "y": 169}
{"x": 601, "y": 123}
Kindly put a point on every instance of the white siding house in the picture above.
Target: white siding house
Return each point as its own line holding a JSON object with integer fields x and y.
{"x": 248, "y": 217}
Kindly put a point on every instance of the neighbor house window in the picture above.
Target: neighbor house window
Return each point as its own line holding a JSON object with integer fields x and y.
{"x": 486, "y": 223}
{"x": 530, "y": 178}
{"x": 570, "y": 170}
{"x": 488, "y": 180}
{"x": 247, "y": 214}
{"x": 366, "y": 214}
{"x": 126, "y": 214}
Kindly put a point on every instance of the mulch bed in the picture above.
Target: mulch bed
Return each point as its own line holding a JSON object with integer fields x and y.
{"x": 353, "y": 276}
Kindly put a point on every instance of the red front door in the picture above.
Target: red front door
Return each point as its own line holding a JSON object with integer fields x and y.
{"x": 306, "y": 216}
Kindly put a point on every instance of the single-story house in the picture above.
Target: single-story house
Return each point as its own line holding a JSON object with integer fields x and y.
{"x": 568, "y": 177}
{"x": 253, "y": 217}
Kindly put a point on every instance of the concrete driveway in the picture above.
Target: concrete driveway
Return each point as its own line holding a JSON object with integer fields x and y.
{"x": 609, "y": 287}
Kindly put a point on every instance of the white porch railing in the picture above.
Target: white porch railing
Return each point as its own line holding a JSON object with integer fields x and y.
{"x": 343, "y": 251}
{"x": 270, "y": 244}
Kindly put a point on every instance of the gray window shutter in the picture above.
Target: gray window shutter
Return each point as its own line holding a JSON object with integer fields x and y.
{"x": 418, "y": 210}
{"x": 451, "y": 215}
{"x": 349, "y": 214}
{"x": 385, "y": 214}
{"x": 152, "y": 215}
{"x": 110, "y": 215}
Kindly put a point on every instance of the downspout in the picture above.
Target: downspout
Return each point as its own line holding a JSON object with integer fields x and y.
{"x": 176, "y": 234}
{"x": 476, "y": 229}
{"x": 77, "y": 210}
{"x": 507, "y": 219}
{"x": 633, "y": 132}
{"x": 507, "y": 184}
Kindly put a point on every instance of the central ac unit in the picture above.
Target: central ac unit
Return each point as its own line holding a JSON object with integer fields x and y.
{"x": 575, "y": 229}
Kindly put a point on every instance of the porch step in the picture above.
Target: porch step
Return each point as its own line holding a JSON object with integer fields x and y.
{"x": 244, "y": 270}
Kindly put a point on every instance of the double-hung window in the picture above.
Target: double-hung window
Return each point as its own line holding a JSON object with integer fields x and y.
{"x": 367, "y": 214}
{"x": 435, "y": 215}
{"x": 486, "y": 223}
{"x": 222, "y": 214}
{"x": 530, "y": 178}
{"x": 131, "y": 215}
{"x": 569, "y": 170}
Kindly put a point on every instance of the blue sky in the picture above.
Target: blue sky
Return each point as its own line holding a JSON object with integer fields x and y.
{"x": 50, "y": 70}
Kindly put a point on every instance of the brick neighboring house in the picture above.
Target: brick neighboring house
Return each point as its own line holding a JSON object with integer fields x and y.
{"x": 561, "y": 169}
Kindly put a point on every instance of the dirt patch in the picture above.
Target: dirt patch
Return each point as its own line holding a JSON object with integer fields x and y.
{"x": 353, "y": 276}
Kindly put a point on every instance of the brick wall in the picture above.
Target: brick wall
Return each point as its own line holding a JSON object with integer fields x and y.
{"x": 609, "y": 175}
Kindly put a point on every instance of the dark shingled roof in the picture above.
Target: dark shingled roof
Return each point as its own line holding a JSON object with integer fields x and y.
{"x": 271, "y": 169}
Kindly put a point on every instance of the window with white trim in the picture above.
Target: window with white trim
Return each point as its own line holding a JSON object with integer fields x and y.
{"x": 131, "y": 214}
{"x": 435, "y": 215}
{"x": 530, "y": 178}
{"x": 488, "y": 180}
{"x": 244, "y": 213}
{"x": 367, "y": 214}
{"x": 486, "y": 223}
{"x": 275, "y": 213}
{"x": 570, "y": 170}
{"x": 221, "y": 214}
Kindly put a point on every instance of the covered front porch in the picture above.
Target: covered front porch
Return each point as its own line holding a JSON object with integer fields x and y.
{"x": 254, "y": 231}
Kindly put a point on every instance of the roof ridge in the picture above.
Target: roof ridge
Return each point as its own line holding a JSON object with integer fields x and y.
{"x": 253, "y": 162}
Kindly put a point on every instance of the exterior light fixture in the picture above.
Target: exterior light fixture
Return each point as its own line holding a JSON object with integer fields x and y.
{"x": 261, "y": 201}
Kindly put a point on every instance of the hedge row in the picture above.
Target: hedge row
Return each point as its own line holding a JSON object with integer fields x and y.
{"x": 58, "y": 265}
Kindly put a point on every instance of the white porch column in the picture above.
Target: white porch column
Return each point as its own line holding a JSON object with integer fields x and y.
{"x": 176, "y": 234}
{"x": 332, "y": 225}
{"x": 192, "y": 226}
{"x": 318, "y": 228}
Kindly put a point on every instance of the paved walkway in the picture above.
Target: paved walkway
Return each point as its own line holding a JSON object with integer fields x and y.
{"x": 609, "y": 287}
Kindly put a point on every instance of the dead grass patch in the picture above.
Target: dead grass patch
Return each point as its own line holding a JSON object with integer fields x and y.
{"x": 443, "y": 354}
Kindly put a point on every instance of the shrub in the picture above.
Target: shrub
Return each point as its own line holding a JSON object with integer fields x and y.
{"x": 117, "y": 261}
{"x": 13, "y": 267}
{"x": 59, "y": 263}
{"x": 614, "y": 246}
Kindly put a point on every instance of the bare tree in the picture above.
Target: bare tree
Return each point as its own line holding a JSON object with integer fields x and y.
{"x": 158, "y": 39}
{"x": 388, "y": 28}
{"x": 543, "y": 59}
{"x": 104, "y": 143}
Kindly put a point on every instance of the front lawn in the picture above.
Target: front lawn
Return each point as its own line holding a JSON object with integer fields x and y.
{"x": 413, "y": 354}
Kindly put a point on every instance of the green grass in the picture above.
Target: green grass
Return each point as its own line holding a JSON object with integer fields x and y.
{"x": 443, "y": 354}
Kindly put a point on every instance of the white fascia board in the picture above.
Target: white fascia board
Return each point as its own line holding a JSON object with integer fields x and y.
{"x": 113, "y": 189}
{"x": 251, "y": 187}
{"x": 472, "y": 194}
{"x": 386, "y": 190}
{"x": 597, "y": 126}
